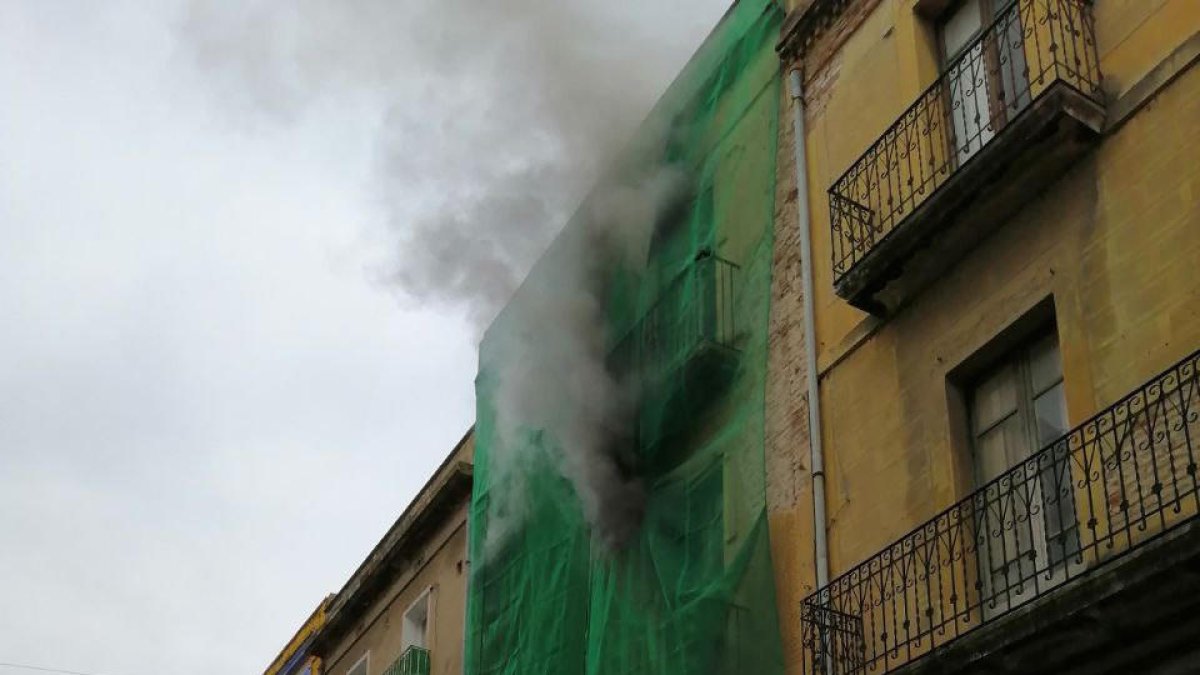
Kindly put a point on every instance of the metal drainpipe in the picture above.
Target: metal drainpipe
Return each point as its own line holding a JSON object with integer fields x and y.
{"x": 816, "y": 462}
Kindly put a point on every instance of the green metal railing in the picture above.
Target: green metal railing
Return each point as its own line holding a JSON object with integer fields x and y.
{"x": 414, "y": 661}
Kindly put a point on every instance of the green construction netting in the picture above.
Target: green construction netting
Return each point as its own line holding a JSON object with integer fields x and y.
{"x": 692, "y": 590}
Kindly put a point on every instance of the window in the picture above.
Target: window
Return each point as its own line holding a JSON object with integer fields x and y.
{"x": 416, "y": 622}
{"x": 1016, "y": 409}
{"x": 987, "y": 78}
{"x": 361, "y": 666}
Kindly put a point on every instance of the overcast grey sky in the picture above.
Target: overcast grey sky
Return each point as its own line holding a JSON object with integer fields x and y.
{"x": 213, "y": 399}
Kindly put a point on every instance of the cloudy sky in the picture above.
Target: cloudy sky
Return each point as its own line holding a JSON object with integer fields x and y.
{"x": 233, "y": 338}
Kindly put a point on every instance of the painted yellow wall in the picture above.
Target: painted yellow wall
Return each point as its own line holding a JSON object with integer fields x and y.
{"x": 857, "y": 91}
{"x": 1115, "y": 242}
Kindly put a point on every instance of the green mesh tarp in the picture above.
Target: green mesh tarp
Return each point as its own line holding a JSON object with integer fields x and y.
{"x": 689, "y": 589}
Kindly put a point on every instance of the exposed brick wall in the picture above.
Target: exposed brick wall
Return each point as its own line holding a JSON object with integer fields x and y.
{"x": 833, "y": 36}
{"x": 787, "y": 449}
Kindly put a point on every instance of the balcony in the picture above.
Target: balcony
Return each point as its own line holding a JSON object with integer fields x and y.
{"x": 1002, "y": 121}
{"x": 1084, "y": 554}
{"x": 683, "y": 350}
{"x": 414, "y": 661}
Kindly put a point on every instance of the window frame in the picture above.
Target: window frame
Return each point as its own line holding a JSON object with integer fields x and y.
{"x": 364, "y": 661}
{"x": 425, "y": 596}
{"x": 1051, "y": 538}
{"x": 998, "y": 107}
{"x": 1019, "y": 357}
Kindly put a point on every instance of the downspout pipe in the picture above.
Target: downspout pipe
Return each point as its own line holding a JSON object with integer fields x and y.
{"x": 816, "y": 461}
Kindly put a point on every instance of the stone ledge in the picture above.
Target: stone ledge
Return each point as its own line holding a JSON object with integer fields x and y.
{"x": 1160, "y": 76}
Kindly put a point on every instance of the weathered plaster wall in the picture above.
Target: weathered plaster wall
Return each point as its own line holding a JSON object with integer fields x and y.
{"x": 379, "y": 630}
{"x": 439, "y": 563}
{"x": 1115, "y": 242}
{"x": 856, "y": 88}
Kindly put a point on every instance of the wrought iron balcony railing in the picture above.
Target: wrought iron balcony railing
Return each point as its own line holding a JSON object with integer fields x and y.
{"x": 1105, "y": 488}
{"x": 681, "y": 353}
{"x": 414, "y": 661}
{"x": 1030, "y": 48}
{"x": 695, "y": 308}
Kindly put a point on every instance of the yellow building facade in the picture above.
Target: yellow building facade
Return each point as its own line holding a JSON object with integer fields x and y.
{"x": 1003, "y": 204}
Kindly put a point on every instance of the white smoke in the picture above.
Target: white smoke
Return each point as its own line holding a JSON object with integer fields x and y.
{"x": 494, "y": 119}
{"x": 552, "y": 366}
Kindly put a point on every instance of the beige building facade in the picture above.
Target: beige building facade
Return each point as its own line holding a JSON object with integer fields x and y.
{"x": 403, "y": 611}
{"x": 1003, "y": 203}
